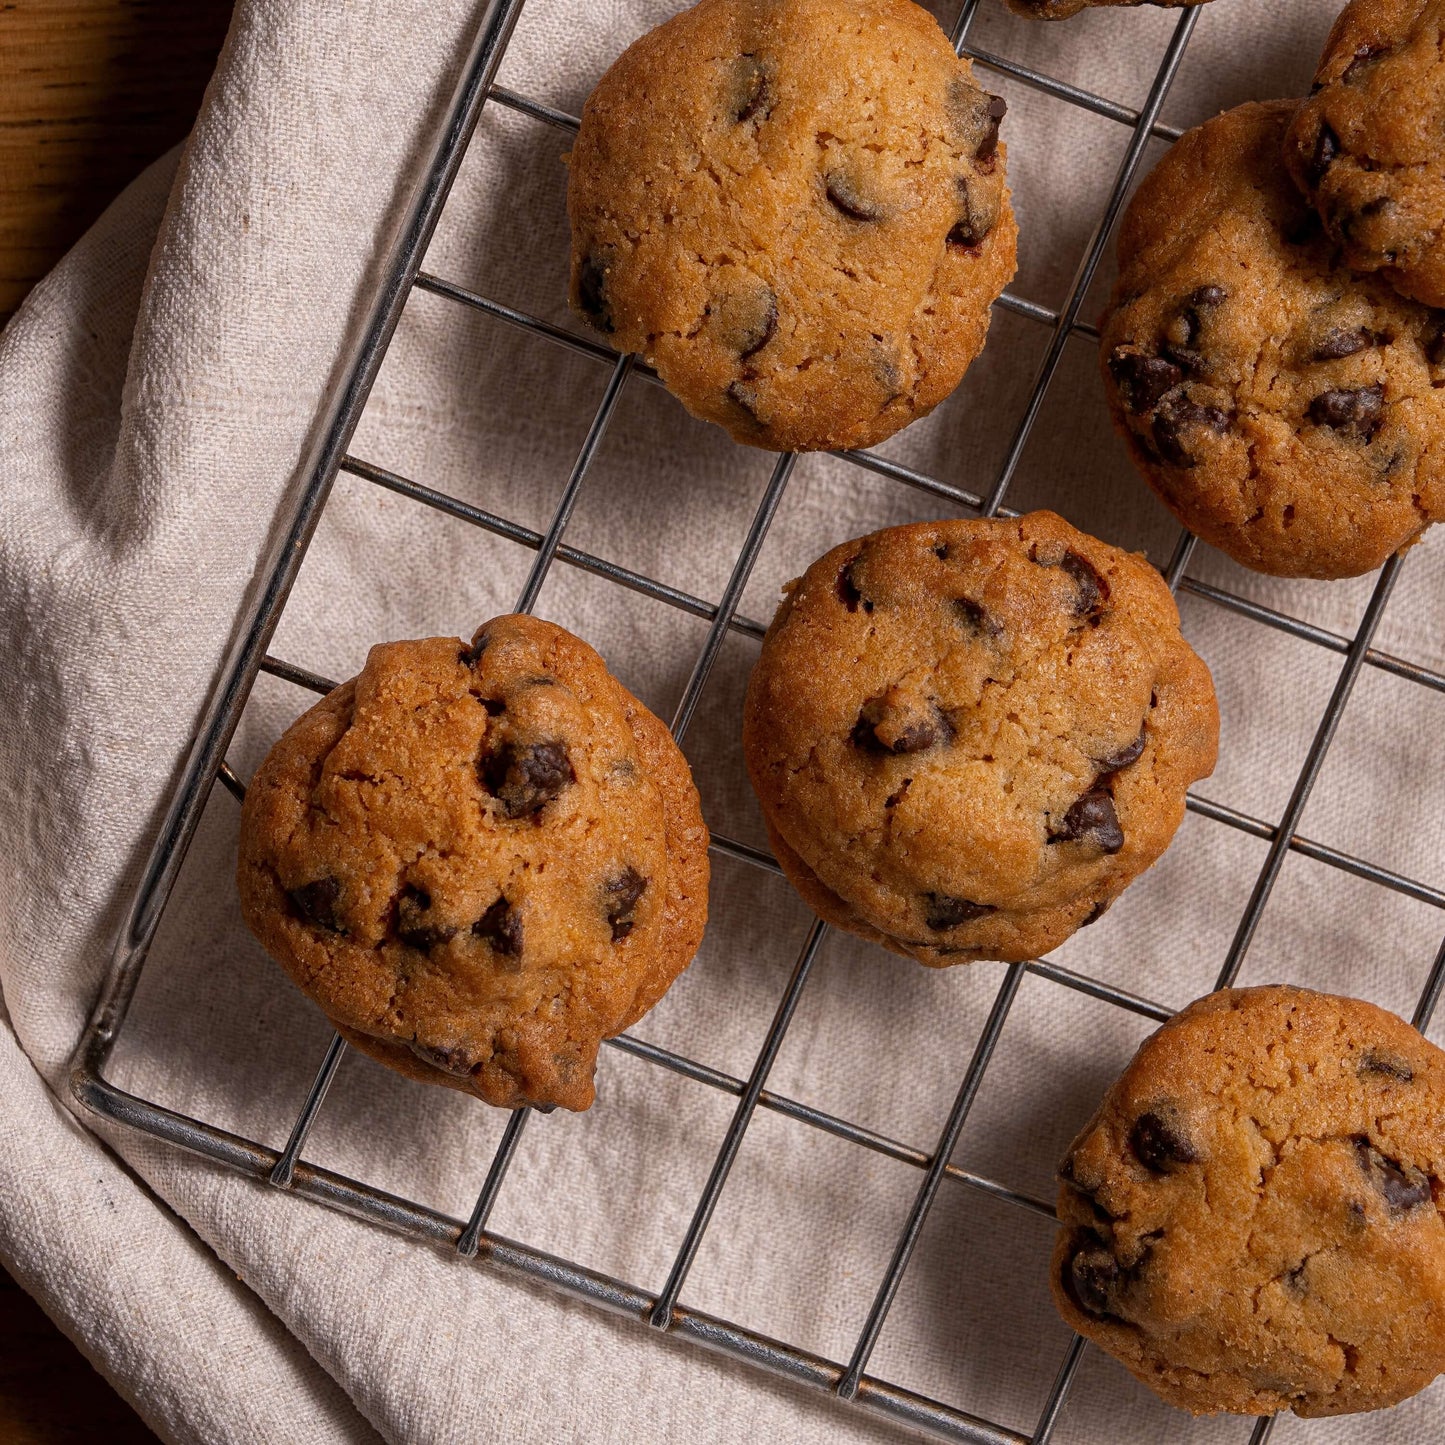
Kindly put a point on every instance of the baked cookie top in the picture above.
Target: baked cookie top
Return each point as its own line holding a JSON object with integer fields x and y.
{"x": 796, "y": 211}
{"x": 480, "y": 861}
{"x": 1286, "y": 410}
{"x": 968, "y": 736}
{"x": 1365, "y": 146}
{"x": 1251, "y": 1220}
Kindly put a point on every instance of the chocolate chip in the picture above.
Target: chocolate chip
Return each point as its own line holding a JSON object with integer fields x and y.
{"x": 1142, "y": 379}
{"x": 1403, "y": 1186}
{"x": 1096, "y": 912}
{"x": 744, "y": 397}
{"x": 1435, "y": 343}
{"x": 751, "y": 95}
{"x": 1095, "y": 1278}
{"x": 1338, "y": 342}
{"x": 1181, "y": 336}
{"x": 1091, "y": 820}
{"x": 1374, "y": 1061}
{"x": 762, "y": 332}
{"x": 941, "y": 911}
{"x": 994, "y": 112}
{"x": 316, "y": 903}
{"x": 455, "y": 1060}
{"x": 884, "y": 727}
{"x": 470, "y": 656}
{"x": 494, "y": 706}
{"x": 977, "y": 216}
{"x": 1159, "y": 1144}
{"x": 1357, "y": 410}
{"x": 501, "y": 926}
{"x": 412, "y": 927}
{"x": 592, "y": 299}
{"x": 1327, "y": 147}
{"x": 1363, "y": 55}
{"x": 1294, "y": 1279}
{"x": 525, "y": 777}
{"x": 1129, "y": 753}
{"x": 847, "y": 196}
{"x": 1093, "y": 589}
{"x": 847, "y": 589}
{"x": 622, "y": 894}
{"x": 975, "y": 618}
{"x": 893, "y": 799}
{"x": 1176, "y": 415}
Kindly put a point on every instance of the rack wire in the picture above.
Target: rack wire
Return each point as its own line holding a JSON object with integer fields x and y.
{"x": 846, "y": 1380}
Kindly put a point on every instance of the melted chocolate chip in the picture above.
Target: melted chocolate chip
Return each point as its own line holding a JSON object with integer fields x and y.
{"x": 847, "y": 589}
{"x": 848, "y": 197}
{"x": 525, "y": 777}
{"x": 1096, "y": 913}
{"x": 623, "y": 893}
{"x": 1392, "y": 1066}
{"x": 755, "y": 338}
{"x": 975, "y": 617}
{"x": 1130, "y": 753}
{"x": 1363, "y": 55}
{"x": 1403, "y": 1186}
{"x": 1159, "y": 1144}
{"x": 745, "y": 398}
{"x": 1357, "y": 411}
{"x": 472, "y": 655}
{"x": 977, "y": 216}
{"x": 1142, "y": 379}
{"x": 1091, "y": 820}
{"x": 1093, "y": 588}
{"x": 995, "y": 111}
{"x": 751, "y": 95}
{"x": 412, "y": 926}
{"x": 1339, "y": 341}
{"x": 1181, "y": 336}
{"x": 1176, "y": 415}
{"x": 316, "y": 903}
{"x": 592, "y": 290}
{"x": 884, "y": 728}
{"x": 942, "y": 912}
{"x": 455, "y": 1060}
{"x": 1327, "y": 147}
{"x": 501, "y": 926}
{"x": 1095, "y": 1278}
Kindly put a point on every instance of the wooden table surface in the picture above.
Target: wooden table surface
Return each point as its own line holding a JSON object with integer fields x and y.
{"x": 91, "y": 91}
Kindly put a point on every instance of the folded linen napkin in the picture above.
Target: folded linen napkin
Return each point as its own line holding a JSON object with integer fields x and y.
{"x": 158, "y": 391}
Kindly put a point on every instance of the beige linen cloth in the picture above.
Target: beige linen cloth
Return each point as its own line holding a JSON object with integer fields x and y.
{"x": 155, "y": 396}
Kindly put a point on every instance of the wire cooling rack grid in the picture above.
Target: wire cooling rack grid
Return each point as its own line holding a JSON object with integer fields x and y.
{"x": 847, "y": 1381}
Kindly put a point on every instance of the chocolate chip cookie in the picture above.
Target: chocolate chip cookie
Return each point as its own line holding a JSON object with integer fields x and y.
{"x": 1289, "y": 412}
{"x": 480, "y": 860}
{"x": 1063, "y": 9}
{"x": 796, "y": 211}
{"x": 1365, "y": 146}
{"x": 1251, "y": 1221}
{"x": 968, "y": 737}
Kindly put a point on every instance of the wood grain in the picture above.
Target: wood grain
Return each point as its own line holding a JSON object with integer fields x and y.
{"x": 91, "y": 91}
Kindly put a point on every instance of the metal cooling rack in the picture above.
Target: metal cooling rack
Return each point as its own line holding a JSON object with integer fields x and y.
{"x": 848, "y": 1380}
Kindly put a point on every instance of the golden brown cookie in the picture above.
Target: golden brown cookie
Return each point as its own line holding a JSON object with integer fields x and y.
{"x": 480, "y": 861}
{"x": 1063, "y": 9}
{"x": 1251, "y": 1221}
{"x": 1289, "y": 412}
{"x": 1365, "y": 147}
{"x": 968, "y": 737}
{"x": 796, "y": 211}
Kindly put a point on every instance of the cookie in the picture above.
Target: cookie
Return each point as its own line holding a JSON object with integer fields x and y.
{"x": 1365, "y": 146}
{"x": 480, "y": 861}
{"x": 967, "y": 737}
{"x": 796, "y": 211}
{"x": 1287, "y": 411}
{"x": 1251, "y": 1221}
{"x": 1063, "y": 9}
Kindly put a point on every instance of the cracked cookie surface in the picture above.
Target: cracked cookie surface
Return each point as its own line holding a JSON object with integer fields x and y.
{"x": 1288, "y": 411}
{"x": 796, "y": 210}
{"x": 1251, "y": 1221}
{"x": 968, "y": 737}
{"x": 1365, "y": 146}
{"x": 479, "y": 860}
